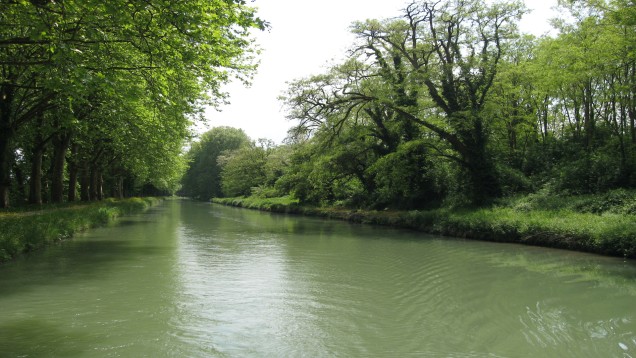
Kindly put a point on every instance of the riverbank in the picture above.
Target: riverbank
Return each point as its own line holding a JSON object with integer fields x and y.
{"x": 24, "y": 229}
{"x": 603, "y": 224}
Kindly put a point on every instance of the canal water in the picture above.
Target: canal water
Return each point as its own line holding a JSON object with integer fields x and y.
{"x": 193, "y": 279}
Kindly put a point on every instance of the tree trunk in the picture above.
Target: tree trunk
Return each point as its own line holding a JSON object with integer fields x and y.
{"x": 96, "y": 192}
{"x": 6, "y": 137}
{"x": 484, "y": 184}
{"x": 632, "y": 123}
{"x": 85, "y": 183}
{"x": 588, "y": 115}
{"x": 482, "y": 176}
{"x": 72, "y": 173}
{"x": 120, "y": 187}
{"x": 117, "y": 188}
{"x": 5, "y": 164}
{"x": 100, "y": 186}
{"x": 35, "y": 182}
{"x": 93, "y": 186}
{"x": 19, "y": 180}
{"x": 631, "y": 109}
{"x": 60, "y": 147}
{"x": 544, "y": 119}
{"x": 577, "y": 119}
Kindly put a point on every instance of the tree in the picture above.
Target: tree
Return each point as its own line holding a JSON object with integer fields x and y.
{"x": 75, "y": 54}
{"x": 245, "y": 168}
{"x": 432, "y": 69}
{"x": 202, "y": 179}
{"x": 586, "y": 74}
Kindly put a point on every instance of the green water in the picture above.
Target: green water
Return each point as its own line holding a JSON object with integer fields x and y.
{"x": 198, "y": 280}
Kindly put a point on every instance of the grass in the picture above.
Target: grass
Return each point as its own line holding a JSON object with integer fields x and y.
{"x": 603, "y": 223}
{"x": 280, "y": 204}
{"x": 22, "y": 231}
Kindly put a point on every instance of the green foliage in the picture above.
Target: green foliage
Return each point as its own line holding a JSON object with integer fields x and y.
{"x": 614, "y": 202}
{"x": 513, "y": 180}
{"x": 592, "y": 173}
{"x": 531, "y": 220}
{"x": 404, "y": 178}
{"x": 243, "y": 169}
{"x": 425, "y": 90}
{"x": 112, "y": 87}
{"x": 618, "y": 201}
{"x": 202, "y": 180}
{"x": 320, "y": 178}
{"x": 22, "y": 231}
{"x": 523, "y": 114}
{"x": 278, "y": 204}
{"x": 467, "y": 111}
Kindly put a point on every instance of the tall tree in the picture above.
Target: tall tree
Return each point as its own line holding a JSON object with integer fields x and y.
{"x": 65, "y": 52}
{"x": 448, "y": 50}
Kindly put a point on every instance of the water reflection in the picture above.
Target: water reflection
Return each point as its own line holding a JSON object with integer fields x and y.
{"x": 334, "y": 288}
{"x": 236, "y": 285}
{"x": 199, "y": 280}
{"x": 106, "y": 293}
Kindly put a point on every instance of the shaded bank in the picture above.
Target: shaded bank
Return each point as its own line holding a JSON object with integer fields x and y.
{"x": 24, "y": 231}
{"x": 606, "y": 232}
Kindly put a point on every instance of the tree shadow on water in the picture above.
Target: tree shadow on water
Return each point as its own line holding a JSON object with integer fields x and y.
{"x": 69, "y": 263}
{"x": 133, "y": 222}
{"x": 36, "y": 338}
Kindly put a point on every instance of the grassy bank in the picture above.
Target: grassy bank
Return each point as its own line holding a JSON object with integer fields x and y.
{"x": 603, "y": 224}
{"x": 284, "y": 204}
{"x": 22, "y": 230}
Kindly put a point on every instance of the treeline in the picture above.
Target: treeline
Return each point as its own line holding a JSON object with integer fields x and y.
{"x": 96, "y": 97}
{"x": 448, "y": 104}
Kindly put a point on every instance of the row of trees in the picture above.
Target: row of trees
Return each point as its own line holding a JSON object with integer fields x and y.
{"x": 101, "y": 94}
{"x": 450, "y": 103}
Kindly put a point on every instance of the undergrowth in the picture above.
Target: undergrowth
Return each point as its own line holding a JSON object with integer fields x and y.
{"x": 602, "y": 223}
{"x": 22, "y": 231}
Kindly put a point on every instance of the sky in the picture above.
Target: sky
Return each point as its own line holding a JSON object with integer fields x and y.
{"x": 304, "y": 38}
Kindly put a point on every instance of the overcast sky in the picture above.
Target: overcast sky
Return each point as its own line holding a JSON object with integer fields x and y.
{"x": 306, "y": 36}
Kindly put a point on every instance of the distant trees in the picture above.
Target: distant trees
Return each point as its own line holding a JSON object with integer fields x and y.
{"x": 245, "y": 169}
{"x": 202, "y": 180}
{"x": 99, "y": 94}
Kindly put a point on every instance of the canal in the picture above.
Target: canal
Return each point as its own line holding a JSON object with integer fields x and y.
{"x": 190, "y": 279}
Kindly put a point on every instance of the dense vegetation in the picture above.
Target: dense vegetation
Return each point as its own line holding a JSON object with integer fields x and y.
{"x": 599, "y": 223}
{"x": 96, "y": 97}
{"x": 446, "y": 119}
{"x": 226, "y": 162}
{"x": 202, "y": 180}
{"x": 448, "y": 105}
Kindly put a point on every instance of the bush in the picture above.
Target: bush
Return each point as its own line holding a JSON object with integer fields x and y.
{"x": 513, "y": 181}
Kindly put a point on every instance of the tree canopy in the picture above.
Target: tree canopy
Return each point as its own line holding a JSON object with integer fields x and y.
{"x": 104, "y": 92}
{"x": 447, "y": 103}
